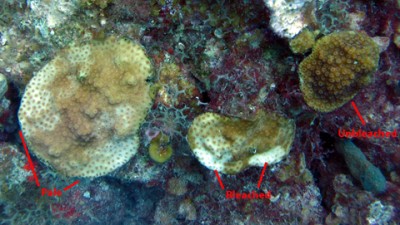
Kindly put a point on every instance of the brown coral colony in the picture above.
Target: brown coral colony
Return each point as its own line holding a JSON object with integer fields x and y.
{"x": 340, "y": 65}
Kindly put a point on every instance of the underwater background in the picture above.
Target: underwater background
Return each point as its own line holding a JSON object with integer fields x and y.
{"x": 199, "y": 112}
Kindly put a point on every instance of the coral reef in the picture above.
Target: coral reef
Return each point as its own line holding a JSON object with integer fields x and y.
{"x": 174, "y": 87}
{"x": 230, "y": 59}
{"x": 230, "y": 145}
{"x": 94, "y": 97}
{"x": 368, "y": 209}
{"x": 340, "y": 65}
{"x": 53, "y": 13}
{"x": 12, "y": 166}
{"x": 333, "y": 16}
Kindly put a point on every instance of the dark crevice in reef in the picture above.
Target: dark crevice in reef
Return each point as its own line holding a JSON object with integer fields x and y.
{"x": 9, "y": 118}
{"x": 325, "y": 167}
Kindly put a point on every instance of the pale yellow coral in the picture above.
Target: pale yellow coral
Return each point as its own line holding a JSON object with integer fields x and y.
{"x": 230, "y": 145}
{"x": 81, "y": 112}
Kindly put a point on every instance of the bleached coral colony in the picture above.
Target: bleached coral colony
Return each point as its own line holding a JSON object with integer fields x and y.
{"x": 152, "y": 109}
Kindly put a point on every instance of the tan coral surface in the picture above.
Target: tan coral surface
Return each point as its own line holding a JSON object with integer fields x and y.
{"x": 81, "y": 112}
{"x": 230, "y": 145}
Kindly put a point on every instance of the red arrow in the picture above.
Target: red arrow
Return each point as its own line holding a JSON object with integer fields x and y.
{"x": 29, "y": 159}
{"x": 262, "y": 175}
{"x": 219, "y": 180}
{"x": 358, "y": 112}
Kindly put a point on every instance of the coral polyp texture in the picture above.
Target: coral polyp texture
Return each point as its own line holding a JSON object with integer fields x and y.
{"x": 81, "y": 112}
{"x": 341, "y": 64}
{"x": 230, "y": 145}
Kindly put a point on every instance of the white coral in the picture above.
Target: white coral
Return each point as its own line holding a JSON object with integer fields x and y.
{"x": 54, "y": 13}
{"x": 288, "y": 16}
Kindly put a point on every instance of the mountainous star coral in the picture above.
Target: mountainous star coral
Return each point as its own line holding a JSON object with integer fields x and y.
{"x": 81, "y": 112}
{"x": 340, "y": 65}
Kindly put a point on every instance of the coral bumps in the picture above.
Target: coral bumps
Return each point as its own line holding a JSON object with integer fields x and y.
{"x": 230, "y": 145}
{"x": 340, "y": 65}
{"x": 81, "y": 112}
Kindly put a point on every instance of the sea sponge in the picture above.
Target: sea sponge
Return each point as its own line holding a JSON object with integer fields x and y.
{"x": 340, "y": 65}
{"x": 160, "y": 149}
{"x": 363, "y": 170}
{"x": 81, "y": 112}
{"x": 230, "y": 145}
